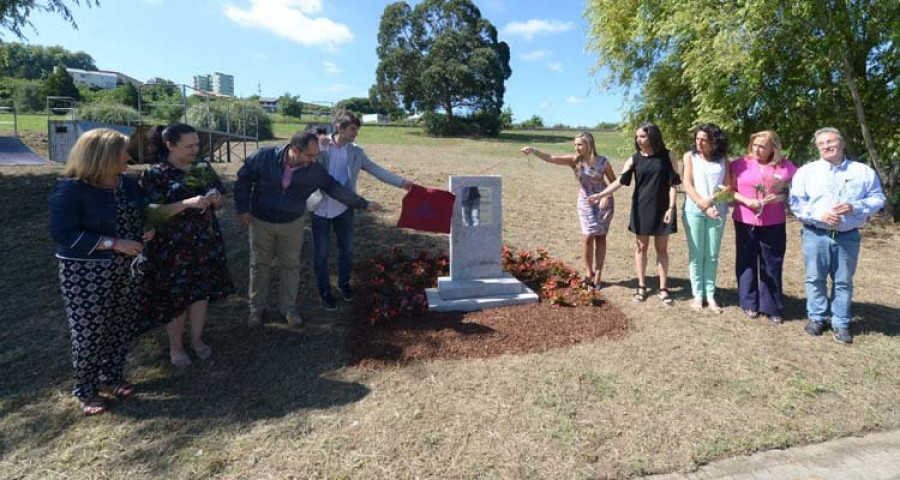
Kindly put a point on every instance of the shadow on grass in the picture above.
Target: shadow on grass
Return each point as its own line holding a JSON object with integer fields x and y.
{"x": 868, "y": 318}
{"x": 254, "y": 374}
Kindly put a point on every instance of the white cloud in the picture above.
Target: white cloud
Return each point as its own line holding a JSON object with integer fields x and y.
{"x": 292, "y": 19}
{"x": 555, "y": 66}
{"x": 574, "y": 101}
{"x": 531, "y": 28}
{"x": 535, "y": 55}
{"x": 331, "y": 68}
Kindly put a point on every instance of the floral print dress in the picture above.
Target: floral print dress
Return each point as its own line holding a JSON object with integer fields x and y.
{"x": 593, "y": 219}
{"x": 186, "y": 259}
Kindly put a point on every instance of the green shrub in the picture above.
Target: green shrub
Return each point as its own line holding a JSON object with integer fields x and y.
{"x": 109, "y": 113}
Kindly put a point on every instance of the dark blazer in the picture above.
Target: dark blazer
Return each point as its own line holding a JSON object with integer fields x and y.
{"x": 81, "y": 213}
{"x": 258, "y": 189}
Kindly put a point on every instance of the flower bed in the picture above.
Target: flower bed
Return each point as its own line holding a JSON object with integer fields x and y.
{"x": 394, "y": 285}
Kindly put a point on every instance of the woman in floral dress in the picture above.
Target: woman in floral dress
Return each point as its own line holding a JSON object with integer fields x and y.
{"x": 593, "y": 173}
{"x": 186, "y": 266}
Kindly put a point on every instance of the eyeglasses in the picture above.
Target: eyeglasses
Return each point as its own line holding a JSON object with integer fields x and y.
{"x": 828, "y": 143}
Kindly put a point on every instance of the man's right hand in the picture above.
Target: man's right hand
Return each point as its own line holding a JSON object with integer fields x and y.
{"x": 244, "y": 219}
{"x": 831, "y": 218}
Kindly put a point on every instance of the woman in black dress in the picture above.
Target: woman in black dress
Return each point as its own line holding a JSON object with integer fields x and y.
{"x": 652, "y": 204}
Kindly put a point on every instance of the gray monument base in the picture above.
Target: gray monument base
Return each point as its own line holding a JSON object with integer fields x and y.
{"x": 478, "y": 294}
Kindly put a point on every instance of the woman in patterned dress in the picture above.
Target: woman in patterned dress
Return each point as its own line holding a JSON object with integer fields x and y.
{"x": 186, "y": 266}
{"x": 96, "y": 219}
{"x": 652, "y": 205}
{"x": 593, "y": 173}
{"x": 706, "y": 171}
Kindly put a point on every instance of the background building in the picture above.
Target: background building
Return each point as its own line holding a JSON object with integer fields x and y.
{"x": 269, "y": 104}
{"x": 101, "y": 80}
{"x": 218, "y": 83}
{"x": 203, "y": 82}
{"x": 223, "y": 84}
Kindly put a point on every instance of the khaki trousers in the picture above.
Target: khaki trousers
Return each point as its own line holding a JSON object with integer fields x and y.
{"x": 267, "y": 242}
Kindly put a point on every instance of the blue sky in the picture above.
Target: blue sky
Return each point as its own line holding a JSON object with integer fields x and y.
{"x": 325, "y": 49}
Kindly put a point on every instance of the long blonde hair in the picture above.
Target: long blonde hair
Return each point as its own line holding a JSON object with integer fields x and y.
{"x": 772, "y": 138}
{"x": 95, "y": 156}
{"x": 590, "y": 140}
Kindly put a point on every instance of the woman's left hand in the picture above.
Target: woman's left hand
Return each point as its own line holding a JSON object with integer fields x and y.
{"x": 128, "y": 247}
{"x": 603, "y": 203}
{"x": 667, "y": 218}
{"x": 712, "y": 212}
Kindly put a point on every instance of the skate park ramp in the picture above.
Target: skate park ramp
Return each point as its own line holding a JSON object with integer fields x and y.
{"x": 14, "y": 152}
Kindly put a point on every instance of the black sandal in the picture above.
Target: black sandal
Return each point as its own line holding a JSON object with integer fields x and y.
{"x": 664, "y": 297}
{"x": 640, "y": 294}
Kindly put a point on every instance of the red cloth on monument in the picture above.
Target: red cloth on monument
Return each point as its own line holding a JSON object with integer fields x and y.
{"x": 427, "y": 209}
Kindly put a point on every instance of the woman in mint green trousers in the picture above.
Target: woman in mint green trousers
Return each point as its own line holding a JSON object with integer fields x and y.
{"x": 706, "y": 172}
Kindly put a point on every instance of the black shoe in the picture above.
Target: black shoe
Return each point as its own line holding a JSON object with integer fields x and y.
{"x": 815, "y": 328}
{"x": 346, "y": 293}
{"x": 328, "y": 302}
{"x": 842, "y": 335}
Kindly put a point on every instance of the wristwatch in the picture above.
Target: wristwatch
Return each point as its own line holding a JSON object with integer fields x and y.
{"x": 108, "y": 243}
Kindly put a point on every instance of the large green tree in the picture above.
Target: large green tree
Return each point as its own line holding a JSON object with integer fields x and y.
{"x": 440, "y": 54}
{"x": 34, "y": 62}
{"x": 766, "y": 64}
{"x": 290, "y": 105}
{"x": 61, "y": 84}
{"x": 14, "y": 13}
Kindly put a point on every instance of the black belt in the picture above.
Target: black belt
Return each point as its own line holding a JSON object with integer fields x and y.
{"x": 827, "y": 231}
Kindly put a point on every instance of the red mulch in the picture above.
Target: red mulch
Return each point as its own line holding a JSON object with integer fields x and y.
{"x": 489, "y": 333}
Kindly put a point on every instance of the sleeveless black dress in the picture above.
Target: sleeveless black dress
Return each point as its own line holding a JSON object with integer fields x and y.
{"x": 653, "y": 176}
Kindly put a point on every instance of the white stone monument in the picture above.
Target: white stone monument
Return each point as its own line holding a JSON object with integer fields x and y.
{"x": 477, "y": 280}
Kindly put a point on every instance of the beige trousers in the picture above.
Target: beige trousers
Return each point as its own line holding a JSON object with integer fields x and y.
{"x": 267, "y": 242}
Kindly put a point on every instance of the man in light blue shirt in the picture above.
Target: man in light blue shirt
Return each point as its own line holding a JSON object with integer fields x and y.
{"x": 833, "y": 196}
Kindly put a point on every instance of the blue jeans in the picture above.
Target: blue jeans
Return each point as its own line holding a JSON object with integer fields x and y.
{"x": 835, "y": 255}
{"x": 343, "y": 231}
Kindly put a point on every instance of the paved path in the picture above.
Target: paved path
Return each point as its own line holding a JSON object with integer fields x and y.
{"x": 873, "y": 457}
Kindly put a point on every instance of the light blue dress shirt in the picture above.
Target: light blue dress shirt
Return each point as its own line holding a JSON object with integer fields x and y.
{"x": 818, "y": 186}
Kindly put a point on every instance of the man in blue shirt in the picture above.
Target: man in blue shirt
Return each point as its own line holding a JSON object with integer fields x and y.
{"x": 833, "y": 196}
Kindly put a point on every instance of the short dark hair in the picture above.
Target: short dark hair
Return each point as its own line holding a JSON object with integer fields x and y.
{"x": 654, "y": 136}
{"x": 161, "y": 134}
{"x": 345, "y": 119}
{"x": 718, "y": 138}
{"x": 302, "y": 140}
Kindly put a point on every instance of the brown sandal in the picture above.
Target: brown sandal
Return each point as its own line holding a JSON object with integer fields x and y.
{"x": 121, "y": 390}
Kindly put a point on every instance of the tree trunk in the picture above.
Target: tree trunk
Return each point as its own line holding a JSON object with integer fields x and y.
{"x": 889, "y": 184}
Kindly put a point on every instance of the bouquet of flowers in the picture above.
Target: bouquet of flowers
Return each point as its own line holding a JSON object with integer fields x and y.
{"x": 723, "y": 194}
{"x": 774, "y": 185}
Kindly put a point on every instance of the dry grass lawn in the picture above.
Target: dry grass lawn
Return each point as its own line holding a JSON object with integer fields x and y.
{"x": 682, "y": 389}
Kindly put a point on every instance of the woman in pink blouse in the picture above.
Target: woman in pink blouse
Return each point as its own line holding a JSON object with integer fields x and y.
{"x": 761, "y": 180}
